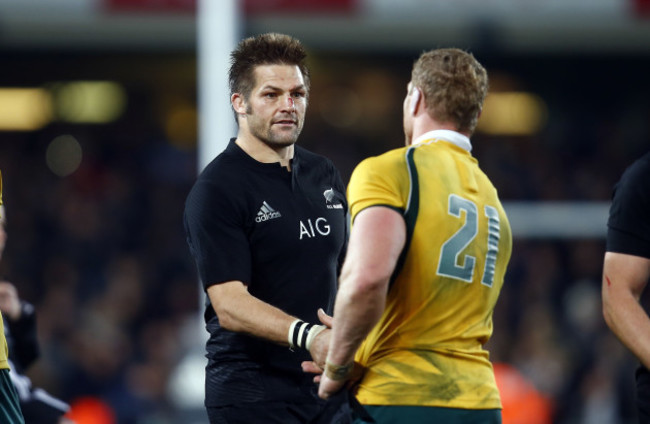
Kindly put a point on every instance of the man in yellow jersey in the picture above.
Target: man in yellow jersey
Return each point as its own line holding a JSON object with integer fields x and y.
{"x": 10, "y": 412}
{"x": 427, "y": 255}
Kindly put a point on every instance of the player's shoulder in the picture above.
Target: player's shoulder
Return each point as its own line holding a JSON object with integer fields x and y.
{"x": 639, "y": 171}
{"x": 226, "y": 166}
{"x": 313, "y": 166}
{"x": 309, "y": 158}
{"x": 218, "y": 178}
{"x": 635, "y": 179}
{"x": 390, "y": 159}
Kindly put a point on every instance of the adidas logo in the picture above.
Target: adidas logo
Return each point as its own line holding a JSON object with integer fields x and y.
{"x": 266, "y": 212}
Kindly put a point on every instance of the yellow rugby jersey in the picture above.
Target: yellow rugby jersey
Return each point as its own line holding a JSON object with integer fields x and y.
{"x": 4, "y": 350}
{"x": 427, "y": 348}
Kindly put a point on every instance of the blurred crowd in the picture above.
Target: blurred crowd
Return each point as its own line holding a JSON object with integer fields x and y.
{"x": 101, "y": 253}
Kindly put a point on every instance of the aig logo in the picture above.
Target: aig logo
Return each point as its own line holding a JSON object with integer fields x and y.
{"x": 318, "y": 227}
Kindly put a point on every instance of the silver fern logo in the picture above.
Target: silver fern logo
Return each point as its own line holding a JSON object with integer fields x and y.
{"x": 330, "y": 199}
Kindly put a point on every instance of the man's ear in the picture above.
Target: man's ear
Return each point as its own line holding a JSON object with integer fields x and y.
{"x": 238, "y": 103}
{"x": 415, "y": 98}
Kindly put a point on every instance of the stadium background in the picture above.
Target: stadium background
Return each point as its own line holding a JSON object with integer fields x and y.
{"x": 99, "y": 128}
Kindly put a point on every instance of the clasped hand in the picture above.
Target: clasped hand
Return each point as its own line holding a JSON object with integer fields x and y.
{"x": 319, "y": 349}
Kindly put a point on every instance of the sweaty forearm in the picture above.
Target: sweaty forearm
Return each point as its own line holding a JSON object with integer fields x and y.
{"x": 241, "y": 312}
{"x": 629, "y": 322}
{"x": 358, "y": 308}
{"x": 624, "y": 280}
{"x": 369, "y": 263}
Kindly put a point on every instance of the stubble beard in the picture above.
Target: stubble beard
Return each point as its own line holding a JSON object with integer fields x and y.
{"x": 279, "y": 139}
{"x": 274, "y": 137}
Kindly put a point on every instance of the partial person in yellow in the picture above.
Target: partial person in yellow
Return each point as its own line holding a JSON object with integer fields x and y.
{"x": 10, "y": 412}
{"x": 428, "y": 251}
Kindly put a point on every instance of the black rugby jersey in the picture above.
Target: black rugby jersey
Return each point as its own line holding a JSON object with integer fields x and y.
{"x": 281, "y": 233}
{"x": 629, "y": 217}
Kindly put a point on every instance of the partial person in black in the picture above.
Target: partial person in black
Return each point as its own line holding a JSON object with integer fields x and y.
{"x": 266, "y": 224}
{"x": 626, "y": 271}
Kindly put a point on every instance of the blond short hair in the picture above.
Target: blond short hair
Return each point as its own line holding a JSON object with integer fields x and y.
{"x": 454, "y": 85}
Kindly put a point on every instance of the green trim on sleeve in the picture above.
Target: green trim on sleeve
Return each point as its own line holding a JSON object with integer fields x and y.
{"x": 410, "y": 214}
{"x": 395, "y": 208}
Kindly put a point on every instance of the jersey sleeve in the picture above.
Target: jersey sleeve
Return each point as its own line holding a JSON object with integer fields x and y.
{"x": 216, "y": 236}
{"x": 629, "y": 217}
{"x": 337, "y": 182}
{"x": 378, "y": 181}
{"x": 4, "y": 350}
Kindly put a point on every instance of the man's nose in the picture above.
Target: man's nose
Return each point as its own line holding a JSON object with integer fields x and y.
{"x": 290, "y": 103}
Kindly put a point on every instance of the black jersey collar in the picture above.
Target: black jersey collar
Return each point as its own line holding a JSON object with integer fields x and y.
{"x": 273, "y": 167}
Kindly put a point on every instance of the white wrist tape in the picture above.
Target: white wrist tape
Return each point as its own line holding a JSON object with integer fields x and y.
{"x": 301, "y": 334}
{"x": 313, "y": 332}
{"x": 292, "y": 328}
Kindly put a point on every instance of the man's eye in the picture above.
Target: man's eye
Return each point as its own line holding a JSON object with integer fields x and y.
{"x": 271, "y": 95}
{"x": 298, "y": 94}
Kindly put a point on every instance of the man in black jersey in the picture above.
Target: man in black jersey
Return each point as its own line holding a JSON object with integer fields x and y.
{"x": 266, "y": 224}
{"x": 626, "y": 271}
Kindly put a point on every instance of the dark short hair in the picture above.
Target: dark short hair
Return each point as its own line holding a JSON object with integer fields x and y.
{"x": 454, "y": 85}
{"x": 264, "y": 49}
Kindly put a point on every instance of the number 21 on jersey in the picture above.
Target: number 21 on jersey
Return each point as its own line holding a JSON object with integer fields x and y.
{"x": 451, "y": 263}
